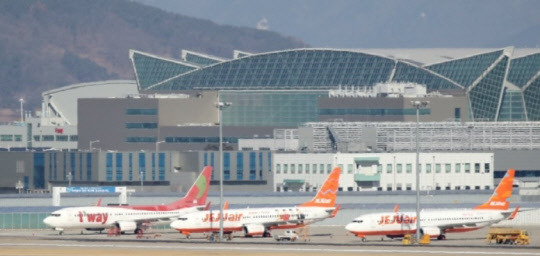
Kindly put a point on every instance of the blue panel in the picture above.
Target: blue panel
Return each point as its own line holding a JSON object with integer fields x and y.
{"x": 239, "y": 166}
{"x": 109, "y": 167}
{"x": 39, "y": 171}
{"x": 119, "y": 165}
{"x": 226, "y": 166}
{"x": 142, "y": 165}
{"x": 88, "y": 166}
{"x": 161, "y": 164}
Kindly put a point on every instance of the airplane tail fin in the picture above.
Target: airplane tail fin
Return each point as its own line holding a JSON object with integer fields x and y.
{"x": 197, "y": 194}
{"x": 326, "y": 196}
{"x": 498, "y": 200}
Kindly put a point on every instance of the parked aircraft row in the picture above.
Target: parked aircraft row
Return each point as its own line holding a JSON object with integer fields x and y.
{"x": 191, "y": 215}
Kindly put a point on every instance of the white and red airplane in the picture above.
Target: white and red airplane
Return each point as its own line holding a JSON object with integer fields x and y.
{"x": 131, "y": 218}
{"x": 259, "y": 221}
{"x": 436, "y": 223}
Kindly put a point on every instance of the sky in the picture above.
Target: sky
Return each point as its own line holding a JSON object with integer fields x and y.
{"x": 377, "y": 24}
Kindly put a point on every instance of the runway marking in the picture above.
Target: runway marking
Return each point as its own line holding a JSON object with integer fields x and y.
{"x": 237, "y": 248}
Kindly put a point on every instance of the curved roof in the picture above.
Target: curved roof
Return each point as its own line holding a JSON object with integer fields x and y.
{"x": 303, "y": 69}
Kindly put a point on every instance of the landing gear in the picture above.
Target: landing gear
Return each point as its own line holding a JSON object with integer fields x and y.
{"x": 267, "y": 234}
{"x": 441, "y": 237}
{"x": 61, "y": 232}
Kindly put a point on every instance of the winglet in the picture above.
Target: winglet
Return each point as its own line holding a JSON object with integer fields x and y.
{"x": 98, "y": 203}
{"x": 498, "y": 200}
{"x": 396, "y": 208}
{"x": 333, "y": 214}
{"x": 514, "y": 213}
{"x": 226, "y": 205}
{"x": 326, "y": 196}
{"x": 207, "y": 207}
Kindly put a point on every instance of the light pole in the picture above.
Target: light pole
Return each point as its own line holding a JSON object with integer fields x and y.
{"x": 92, "y": 142}
{"x": 21, "y": 100}
{"x": 157, "y": 145}
{"x": 418, "y": 105}
{"x": 69, "y": 177}
{"x": 221, "y": 106}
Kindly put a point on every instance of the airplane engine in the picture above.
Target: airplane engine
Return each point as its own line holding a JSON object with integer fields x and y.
{"x": 253, "y": 230}
{"x": 431, "y": 231}
{"x": 126, "y": 226}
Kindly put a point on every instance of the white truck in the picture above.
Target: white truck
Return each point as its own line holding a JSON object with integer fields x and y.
{"x": 288, "y": 235}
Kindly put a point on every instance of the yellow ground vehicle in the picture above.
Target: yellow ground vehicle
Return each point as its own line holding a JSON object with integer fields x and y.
{"x": 508, "y": 236}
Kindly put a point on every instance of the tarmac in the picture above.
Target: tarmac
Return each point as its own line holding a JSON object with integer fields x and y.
{"x": 314, "y": 240}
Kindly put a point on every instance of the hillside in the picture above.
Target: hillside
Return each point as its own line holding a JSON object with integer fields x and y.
{"x": 47, "y": 44}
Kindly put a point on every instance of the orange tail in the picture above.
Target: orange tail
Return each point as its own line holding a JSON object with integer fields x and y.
{"x": 198, "y": 192}
{"x": 498, "y": 200}
{"x": 326, "y": 196}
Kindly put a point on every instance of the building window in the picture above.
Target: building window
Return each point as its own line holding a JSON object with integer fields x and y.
{"x": 5, "y": 137}
{"x": 48, "y": 137}
{"x": 141, "y": 125}
{"x": 161, "y": 166}
{"x": 141, "y": 111}
{"x": 486, "y": 168}
{"x": 89, "y": 166}
{"x": 476, "y": 168}
{"x": 239, "y": 166}
{"x": 130, "y": 166}
{"x": 388, "y": 168}
{"x": 379, "y": 168}
{"x": 447, "y": 168}
{"x": 438, "y": 168}
{"x": 457, "y": 167}
{"x": 18, "y": 137}
{"x": 73, "y": 138}
{"x": 61, "y": 138}
{"x": 141, "y": 139}
{"x": 253, "y": 164}
{"x": 467, "y": 168}
{"x": 285, "y": 168}
{"x": 300, "y": 168}
{"x": 329, "y": 168}
{"x": 349, "y": 168}
{"x": 119, "y": 171}
{"x": 278, "y": 168}
{"x": 408, "y": 168}
{"x": 314, "y": 168}
{"x": 321, "y": 168}
{"x": 399, "y": 168}
{"x": 307, "y": 168}
{"x": 109, "y": 167}
{"x": 142, "y": 166}
{"x": 293, "y": 168}
{"x": 226, "y": 166}
{"x": 37, "y": 138}
{"x": 428, "y": 168}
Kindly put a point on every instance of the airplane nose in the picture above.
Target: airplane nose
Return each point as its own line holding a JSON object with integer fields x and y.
{"x": 349, "y": 226}
{"x": 48, "y": 221}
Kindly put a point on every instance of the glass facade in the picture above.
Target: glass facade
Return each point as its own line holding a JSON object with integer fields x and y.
{"x": 119, "y": 169}
{"x": 523, "y": 69}
{"x": 480, "y": 76}
{"x": 109, "y": 167}
{"x": 531, "y": 94}
{"x": 270, "y": 108}
{"x": 465, "y": 71}
{"x": 142, "y": 111}
{"x": 141, "y": 125}
{"x": 39, "y": 171}
{"x": 484, "y": 96}
{"x": 151, "y": 70}
{"x": 512, "y": 108}
{"x": 200, "y": 59}
{"x": 239, "y": 166}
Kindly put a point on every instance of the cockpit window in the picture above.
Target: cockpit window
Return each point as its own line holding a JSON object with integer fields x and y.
{"x": 183, "y": 219}
{"x": 357, "y": 221}
{"x": 55, "y": 214}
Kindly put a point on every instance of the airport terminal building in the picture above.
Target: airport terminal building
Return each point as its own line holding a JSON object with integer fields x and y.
{"x": 485, "y": 101}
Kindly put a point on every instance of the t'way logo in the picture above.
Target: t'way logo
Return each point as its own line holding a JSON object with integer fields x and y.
{"x": 226, "y": 217}
{"x": 387, "y": 219}
{"x": 93, "y": 217}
